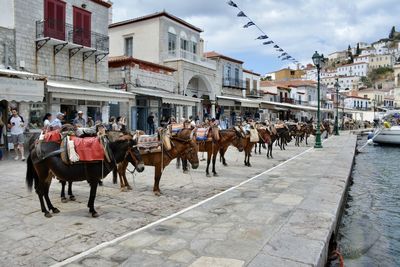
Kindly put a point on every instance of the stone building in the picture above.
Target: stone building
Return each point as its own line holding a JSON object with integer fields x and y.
{"x": 67, "y": 42}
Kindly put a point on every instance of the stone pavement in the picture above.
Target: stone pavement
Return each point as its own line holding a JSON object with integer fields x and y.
{"x": 282, "y": 217}
{"x": 27, "y": 238}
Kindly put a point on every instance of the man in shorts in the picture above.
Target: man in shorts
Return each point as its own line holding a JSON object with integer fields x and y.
{"x": 17, "y": 125}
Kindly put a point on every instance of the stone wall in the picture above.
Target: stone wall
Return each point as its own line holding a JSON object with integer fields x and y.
{"x": 7, "y": 43}
{"x": 44, "y": 62}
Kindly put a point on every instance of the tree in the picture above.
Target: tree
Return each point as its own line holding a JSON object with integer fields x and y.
{"x": 358, "y": 51}
{"x": 392, "y": 32}
{"x": 349, "y": 55}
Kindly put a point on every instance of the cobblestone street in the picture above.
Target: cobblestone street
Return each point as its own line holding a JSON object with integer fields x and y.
{"x": 28, "y": 238}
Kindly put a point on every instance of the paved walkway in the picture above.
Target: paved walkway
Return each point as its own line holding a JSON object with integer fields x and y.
{"x": 27, "y": 238}
{"x": 281, "y": 217}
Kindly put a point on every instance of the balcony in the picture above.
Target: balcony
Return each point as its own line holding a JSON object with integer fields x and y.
{"x": 63, "y": 34}
{"x": 255, "y": 94}
{"x": 188, "y": 56}
{"x": 234, "y": 83}
{"x": 286, "y": 100}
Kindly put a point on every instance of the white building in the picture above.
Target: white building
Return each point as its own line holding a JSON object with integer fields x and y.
{"x": 356, "y": 102}
{"x": 252, "y": 83}
{"x": 355, "y": 69}
{"x": 361, "y": 59}
{"x": 164, "y": 39}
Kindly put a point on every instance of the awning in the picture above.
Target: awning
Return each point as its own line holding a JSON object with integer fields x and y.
{"x": 243, "y": 102}
{"x": 225, "y": 102}
{"x": 293, "y": 106}
{"x": 81, "y": 90}
{"x": 167, "y": 97}
{"x": 21, "y": 90}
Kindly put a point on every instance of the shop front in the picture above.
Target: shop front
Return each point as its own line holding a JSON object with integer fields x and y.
{"x": 94, "y": 100}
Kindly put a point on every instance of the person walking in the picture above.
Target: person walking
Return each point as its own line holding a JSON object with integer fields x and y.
{"x": 17, "y": 125}
{"x": 150, "y": 123}
{"x": 79, "y": 121}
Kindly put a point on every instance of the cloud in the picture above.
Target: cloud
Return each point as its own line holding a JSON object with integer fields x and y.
{"x": 298, "y": 26}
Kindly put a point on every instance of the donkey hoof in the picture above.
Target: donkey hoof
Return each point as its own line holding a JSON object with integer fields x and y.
{"x": 95, "y": 214}
{"x": 64, "y": 200}
{"x": 249, "y": 165}
{"x": 185, "y": 171}
{"x": 216, "y": 174}
{"x": 47, "y": 215}
{"x": 157, "y": 193}
{"x": 55, "y": 210}
{"x": 129, "y": 188}
{"x": 72, "y": 198}
{"x": 208, "y": 175}
{"x": 124, "y": 189}
{"x": 225, "y": 164}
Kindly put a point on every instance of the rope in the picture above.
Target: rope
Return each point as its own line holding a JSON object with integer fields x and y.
{"x": 341, "y": 260}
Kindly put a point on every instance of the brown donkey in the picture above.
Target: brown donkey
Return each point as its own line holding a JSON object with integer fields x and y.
{"x": 183, "y": 145}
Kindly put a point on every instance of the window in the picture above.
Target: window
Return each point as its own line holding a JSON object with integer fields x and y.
{"x": 309, "y": 98}
{"x": 54, "y": 19}
{"x": 171, "y": 43}
{"x": 184, "y": 44}
{"x": 82, "y": 27}
{"x": 292, "y": 72}
{"x": 236, "y": 77}
{"x": 194, "y": 47}
{"x": 255, "y": 85}
{"x": 129, "y": 46}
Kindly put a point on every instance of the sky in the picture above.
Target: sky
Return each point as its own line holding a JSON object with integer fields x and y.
{"x": 300, "y": 27}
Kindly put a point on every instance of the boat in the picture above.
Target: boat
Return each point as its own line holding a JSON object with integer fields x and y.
{"x": 389, "y": 133}
{"x": 388, "y": 136}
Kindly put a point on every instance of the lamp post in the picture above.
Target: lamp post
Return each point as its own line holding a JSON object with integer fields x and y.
{"x": 337, "y": 107}
{"x": 318, "y": 61}
{"x": 342, "y": 97}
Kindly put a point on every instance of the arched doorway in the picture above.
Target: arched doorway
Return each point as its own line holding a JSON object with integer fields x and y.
{"x": 200, "y": 87}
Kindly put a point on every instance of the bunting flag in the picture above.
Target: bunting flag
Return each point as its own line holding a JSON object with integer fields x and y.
{"x": 261, "y": 37}
{"x": 282, "y": 56}
{"x": 250, "y": 23}
{"x": 268, "y": 42}
{"x": 231, "y": 3}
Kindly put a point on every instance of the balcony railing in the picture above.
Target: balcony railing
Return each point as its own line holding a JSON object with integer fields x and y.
{"x": 234, "y": 83}
{"x": 191, "y": 57}
{"x": 286, "y": 100}
{"x": 67, "y": 32}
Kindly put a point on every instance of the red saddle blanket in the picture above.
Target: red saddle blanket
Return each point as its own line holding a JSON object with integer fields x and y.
{"x": 88, "y": 148}
{"x": 52, "y": 136}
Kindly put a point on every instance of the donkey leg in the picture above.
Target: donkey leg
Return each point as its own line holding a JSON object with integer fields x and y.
{"x": 63, "y": 198}
{"x": 71, "y": 196}
{"x": 127, "y": 185}
{"x": 157, "y": 178}
{"x": 92, "y": 197}
{"x": 255, "y": 148}
{"x": 208, "y": 164}
{"x": 47, "y": 198}
{"x": 214, "y": 159}
{"x": 185, "y": 166}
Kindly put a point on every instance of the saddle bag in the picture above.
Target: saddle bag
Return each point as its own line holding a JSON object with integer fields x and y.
{"x": 254, "y": 138}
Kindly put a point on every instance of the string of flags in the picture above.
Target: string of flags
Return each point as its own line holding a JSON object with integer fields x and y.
{"x": 284, "y": 55}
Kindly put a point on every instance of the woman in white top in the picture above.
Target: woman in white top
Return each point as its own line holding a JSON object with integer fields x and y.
{"x": 46, "y": 121}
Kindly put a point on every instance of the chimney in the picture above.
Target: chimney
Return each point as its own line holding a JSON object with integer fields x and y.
{"x": 110, "y": 15}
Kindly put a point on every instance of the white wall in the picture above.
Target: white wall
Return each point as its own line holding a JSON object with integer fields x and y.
{"x": 146, "y": 36}
{"x": 7, "y": 14}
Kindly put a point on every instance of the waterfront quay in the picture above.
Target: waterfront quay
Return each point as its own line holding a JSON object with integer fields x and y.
{"x": 281, "y": 211}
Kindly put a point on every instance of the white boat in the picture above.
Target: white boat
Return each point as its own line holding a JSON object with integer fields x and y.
{"x": 388, "y": 136}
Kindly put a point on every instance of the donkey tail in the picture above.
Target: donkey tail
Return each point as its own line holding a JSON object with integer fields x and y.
{"x": 115, "y": 175}
{"x": 31, "y": 175}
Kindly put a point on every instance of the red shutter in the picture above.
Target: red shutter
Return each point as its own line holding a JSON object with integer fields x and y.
{"x": 54, "y": 19}
{"x": 82, "y": 27}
